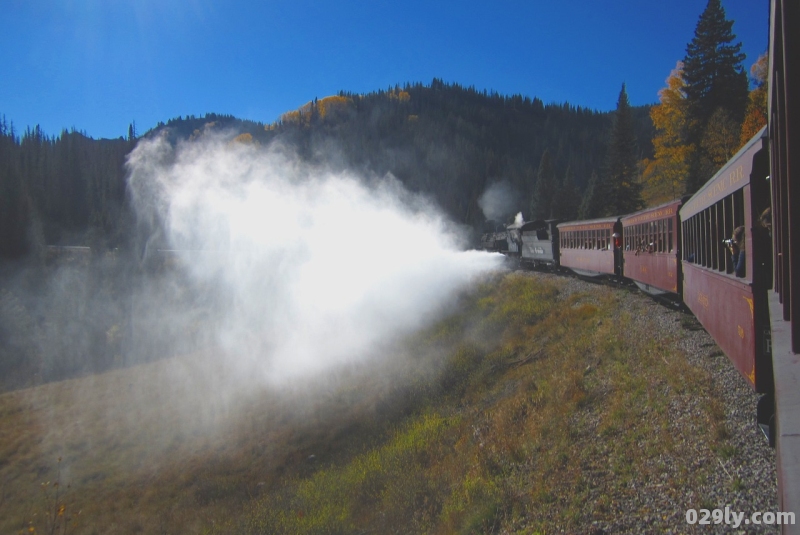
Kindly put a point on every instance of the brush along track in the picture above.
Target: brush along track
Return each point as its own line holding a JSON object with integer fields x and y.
{"x": 738, "y": 463}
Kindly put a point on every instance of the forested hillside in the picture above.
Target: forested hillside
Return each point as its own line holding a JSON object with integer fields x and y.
{"x": 441, "y": 139}
{"x": 454, "y": 142}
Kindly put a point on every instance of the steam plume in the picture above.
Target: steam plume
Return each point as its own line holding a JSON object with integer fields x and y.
{"x": 498, "y": 201}
{"x": 308, "y": 268}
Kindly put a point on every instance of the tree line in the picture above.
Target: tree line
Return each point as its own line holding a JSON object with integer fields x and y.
{"x": 706, "y": 112}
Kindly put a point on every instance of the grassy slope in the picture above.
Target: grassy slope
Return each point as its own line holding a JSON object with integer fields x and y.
{"x": 544, "y": 414}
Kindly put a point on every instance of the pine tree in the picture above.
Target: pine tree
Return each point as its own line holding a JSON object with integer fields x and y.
{"x": 593, "y": 202}
{"x": 567, "y": 198}
{"x": 623, "y": 192}
{"x": 714, "y": 79}
{"x": 663, "y": 177}
{"x": 545, "y": 189}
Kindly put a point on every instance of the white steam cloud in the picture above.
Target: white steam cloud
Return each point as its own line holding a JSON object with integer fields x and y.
{"x": 310, "y": 268}
{"x": 498, "y": 201}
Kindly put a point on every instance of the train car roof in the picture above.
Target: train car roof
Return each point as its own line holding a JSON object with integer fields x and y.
{"x": 668, "y": 209}
{"x": 600, "y": 221}
{"x": 734, "y": 175}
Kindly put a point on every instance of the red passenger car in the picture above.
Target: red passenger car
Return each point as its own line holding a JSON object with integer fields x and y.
{"x": 591, "y": 248}
{"x": 731, "y": 305}
{"x": 650, "y": 248}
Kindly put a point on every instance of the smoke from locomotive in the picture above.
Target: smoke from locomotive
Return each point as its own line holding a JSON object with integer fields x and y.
{"x": 306, "y": 268}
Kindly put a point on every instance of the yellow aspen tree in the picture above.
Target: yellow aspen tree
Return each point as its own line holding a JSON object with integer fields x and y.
{"x": 756, "y": 115}
{"x": 663, "y": 177}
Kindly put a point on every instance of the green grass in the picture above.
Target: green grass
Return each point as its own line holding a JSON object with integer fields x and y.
{"x": 531, "y": 415}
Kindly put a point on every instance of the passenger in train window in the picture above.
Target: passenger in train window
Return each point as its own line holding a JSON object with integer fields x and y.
{"x": 763, "y": 233}
{"x": 766, "y": 220}
{"x": 736, "y": 246}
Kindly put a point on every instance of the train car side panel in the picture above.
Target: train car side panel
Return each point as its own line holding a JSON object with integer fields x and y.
{"x": 587, "y": 247}
{"x": 651, "y": 248}
{"x": 725, "y": 307}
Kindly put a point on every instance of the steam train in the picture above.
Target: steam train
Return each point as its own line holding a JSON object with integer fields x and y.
{"x": 678, "y": 249}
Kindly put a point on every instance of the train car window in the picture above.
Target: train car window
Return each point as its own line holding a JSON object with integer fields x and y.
{"x": 705, "y": 237}
{"x": 702, "y": 239}
{"x": 713, "y": 230}
{"x": 659, "y": 245}
{"x": 727, "y": 206}
{"x": 660, "y": 235}
{"x": 685, "y": 236}
{"x": 654, "y": 241}
{"x": 710, "y": 233}
{"x": 689, "y": 252}
{"x": 669, "y": 235}
{"x": 643, "y": 237}
{"x": 719, "y": 235}
{"x": 698, "y": 239}
{"x": 710, "y": 236}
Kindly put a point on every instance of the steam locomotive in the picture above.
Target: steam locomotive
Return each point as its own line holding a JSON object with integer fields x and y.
{"x": 681, "y": 249}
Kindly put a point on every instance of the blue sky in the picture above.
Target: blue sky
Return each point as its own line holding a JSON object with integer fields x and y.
{"x": 100, "y": 65}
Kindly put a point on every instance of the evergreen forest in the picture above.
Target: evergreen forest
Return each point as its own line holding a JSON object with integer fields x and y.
{"x": 443, "y": 140}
